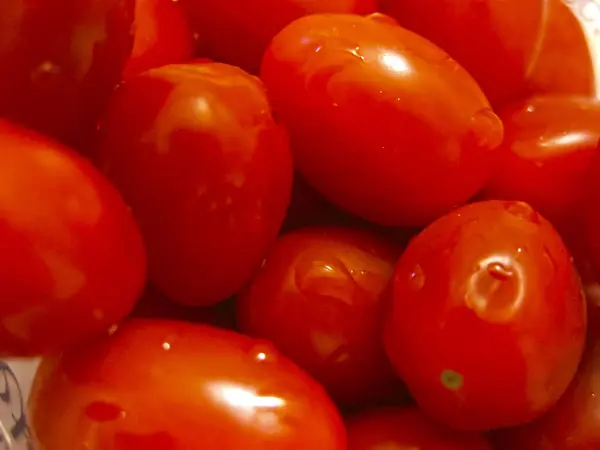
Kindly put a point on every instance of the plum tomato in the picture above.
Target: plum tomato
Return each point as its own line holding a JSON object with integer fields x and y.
{"x": 72, "y": 261}
{"x": 496, "y": 41}
{"x": 207, "y": 171}
{"x": 168, "y": 385}
{"x": 60, "y": 60}
{"x": 238, "y": 31}
{"x": 162, "y": 36}
{"x": 549, "y": 145}
{"x": 407, "y": 428}
{"x": 488, "y": 319}
{"x": 383, "y": 123}
{"x": 320, "y": 298}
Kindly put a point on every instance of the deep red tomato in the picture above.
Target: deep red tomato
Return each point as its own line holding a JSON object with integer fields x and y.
{"x": 72, "y": 262}
{"x": 207, "y": 171}
{"x": 320, "y": 298}
{"x": 238, "y": 31}
{"x": 488, "y": 318}
{"x": 166, "y": 385}
{"x": 407, "y": 428}
{"x": 549, "y": 145}
{"x": 162, "y": 36}
{"x": 496, "y": 41}
{"x": 383, "y": 123}
{"x": 60, "y": 60}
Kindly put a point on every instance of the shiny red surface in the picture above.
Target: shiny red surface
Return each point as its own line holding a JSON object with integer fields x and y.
{"x": 488, "y": 319}
{"x": 320, "y": 298}
{"x": 383, "y": 123}
{"x": 72, "y": 261}
{"x": 207, "y": 171}
{"x": 238, "y": 31}
{"x": 407, "y": 428}
{"x": 60, "y": 60}
{"x": 163, "y": 385}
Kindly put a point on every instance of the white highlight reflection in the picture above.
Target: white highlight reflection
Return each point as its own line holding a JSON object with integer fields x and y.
{"x": 395, "y": 62}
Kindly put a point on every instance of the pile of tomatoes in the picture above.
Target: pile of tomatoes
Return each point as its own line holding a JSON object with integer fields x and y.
{"x": 301, "y": 224}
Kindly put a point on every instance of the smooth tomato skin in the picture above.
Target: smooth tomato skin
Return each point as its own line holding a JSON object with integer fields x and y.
{"x": 383, "y": 123}
{"x": 206, "y": 170}
{"x": 549, "y": 145}
{"x": 320, "y": 298}
{"x": 167, "y": 385}
{"x": 495, "y": 41}
{"x": 489, "y": 293}
{"x": 162, "y": 36}
{"x": 60, "y": 60}
{"x": 238, "y": 32}
{"x": 72, "y": 262}
{"x": 407, "y": 428}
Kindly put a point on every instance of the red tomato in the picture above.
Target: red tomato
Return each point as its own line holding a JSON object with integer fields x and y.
{"x": 72, "y": 262}
{"x": 60, "y": 60}
{"x": 166, "y": 385}
{"x": 162, "y": 36}
{"x": 488, "y": 318}
{"x": 496, "y": 41}
{"x": 238, "y": 31}
{"x": 407, "y": 428}
{"x": 383, "y": 123}
{"x": 320, "y": 298}
{"x": 207, "y": 171}
{"x": 549, "y": 145}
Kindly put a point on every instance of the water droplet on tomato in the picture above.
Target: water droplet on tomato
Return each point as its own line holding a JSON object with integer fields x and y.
{"x": 486, "y": 129}
{"x": 103, "y": 411}
{"x": 382, "y": 18}
{"x": 523, "y": 211}
{"x": 262, "y": 353}
{"x": 417, "y": 278}
{"x": 319, "y": 278}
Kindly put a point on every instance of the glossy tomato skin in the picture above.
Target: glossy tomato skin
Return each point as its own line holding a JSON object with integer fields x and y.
{"x": 166, "y": 385}
{"x": 408, "y": 428}
{"x": 207, "y": 171}
{"x": 320, "y": 298}
{"x": 162, "y": 36}
{"x": 383, "y": 123}
{"x": 496, "y": 42}
{"x": 489, "y": 294}
{"x": 238, "y": 32}
{"x": 60, "y": 60}
{"x": 72, "y": 261}
{"x": 549, "y": 145}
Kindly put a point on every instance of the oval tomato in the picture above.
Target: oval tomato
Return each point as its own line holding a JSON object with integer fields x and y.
{"x": 383, "y": 123}
{"x": 72, "y": 262}
{"x": 207, "y": 171}
{"x": 320, "y": 298}
{"x": 165, "y": 385}
{"x": 238, "y": 31}
{"x": 60, "y": 60}
{"x": 489, "y": 294}
{"x": 407, "y": 428}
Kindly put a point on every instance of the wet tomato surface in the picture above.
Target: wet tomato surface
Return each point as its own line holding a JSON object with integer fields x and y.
{"x": 166, "y": 385}
{"x": 489, "y": 293}
{"x": 384, "y": 124}
{"x": 207, "y": 171}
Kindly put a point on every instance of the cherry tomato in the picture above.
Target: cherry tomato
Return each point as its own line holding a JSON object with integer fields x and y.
{"x": 383, "y": 123}
{"x": 496, "y": 41}
{"x": 207, "y": 171}
{"x": 407, "y": 428}
{"x": 589, "y": 240}
{"x": 320, "y": 298}
{"x": 60, "y": 60}
{"x": 549, "y": 145}
{"x": 166, "y": 385}
{"x": 238, "y": 31}
{"x": 72, "y": 261}
{"x": 488, "y": 318}
{"x": 162, "y": 36}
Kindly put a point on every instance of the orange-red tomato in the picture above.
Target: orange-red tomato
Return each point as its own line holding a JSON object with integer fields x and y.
{"x": 488, "y": 319}
{"x": 383, "y": 123}
{"x": 320, "y": 298}
{"x": 166, "y": 385}
{"x": 72, "y": 262}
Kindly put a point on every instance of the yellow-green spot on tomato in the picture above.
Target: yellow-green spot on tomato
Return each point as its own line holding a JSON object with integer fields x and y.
{"x": 452, "y": 380}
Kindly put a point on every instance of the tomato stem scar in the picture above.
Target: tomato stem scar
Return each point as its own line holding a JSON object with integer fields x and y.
{"x": 452, "y": 380}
